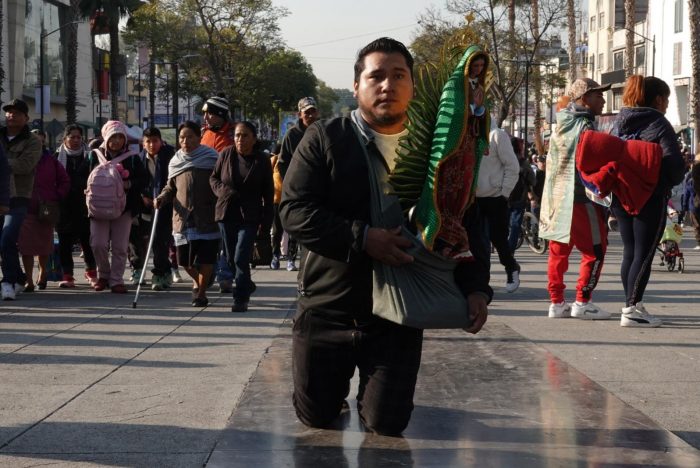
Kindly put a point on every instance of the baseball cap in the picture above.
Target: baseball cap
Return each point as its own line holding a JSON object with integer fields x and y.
{"x": 216, "y": 105}
{"x": 585, "y": 85}
{"x": 17, "y": 104}
{"x": 306, "y": 103}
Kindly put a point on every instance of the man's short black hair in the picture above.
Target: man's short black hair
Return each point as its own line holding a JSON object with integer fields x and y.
{"x": 152, "y": 132}
{"x": 386, "y": 45}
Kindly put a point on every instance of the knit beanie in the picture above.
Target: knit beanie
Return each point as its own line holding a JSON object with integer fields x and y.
{"x": 216, "y": 105}
{"x": 114, "y": 127}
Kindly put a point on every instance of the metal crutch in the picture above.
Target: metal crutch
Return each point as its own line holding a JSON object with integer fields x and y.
{"x": 148, "y": 255}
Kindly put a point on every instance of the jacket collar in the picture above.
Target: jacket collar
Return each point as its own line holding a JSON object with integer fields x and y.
{"x": 22, "y": 135}
{"x": 362, "y": 126}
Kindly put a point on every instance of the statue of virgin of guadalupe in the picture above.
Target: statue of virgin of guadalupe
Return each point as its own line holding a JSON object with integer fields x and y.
{"x": 438, "y": 162}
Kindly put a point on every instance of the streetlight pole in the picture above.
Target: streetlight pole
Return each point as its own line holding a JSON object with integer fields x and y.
{"x": 43, "y": 36}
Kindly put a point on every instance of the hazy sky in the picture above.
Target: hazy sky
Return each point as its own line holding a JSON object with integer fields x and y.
{"x": 330, "y": 32}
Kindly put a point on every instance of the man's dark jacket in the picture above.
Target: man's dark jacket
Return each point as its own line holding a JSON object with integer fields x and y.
{"x": 289, "y": 145}
{"x": 325, "y": 207}
{"x": 155, "y": 183}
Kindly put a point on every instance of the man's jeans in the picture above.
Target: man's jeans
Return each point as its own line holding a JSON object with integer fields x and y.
{"x": 516, "y": 221}
{"x": 223, "y": 270}
{"x": 11, "y": 224}
{"x": 238, "y": 246}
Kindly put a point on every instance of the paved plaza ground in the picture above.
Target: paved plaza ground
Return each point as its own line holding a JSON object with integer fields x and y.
{"x": 85, "y": 380}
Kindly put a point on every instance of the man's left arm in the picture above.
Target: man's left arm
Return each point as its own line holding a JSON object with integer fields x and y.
{"x": 27, "y": 160}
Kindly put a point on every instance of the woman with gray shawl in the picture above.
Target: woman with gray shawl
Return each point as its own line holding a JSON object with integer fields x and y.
{"x": 74, "y": 224}
{"x": 195, "y": 232}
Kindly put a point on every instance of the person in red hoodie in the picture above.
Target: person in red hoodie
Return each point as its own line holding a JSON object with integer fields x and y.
{"x": 645, "y": 100}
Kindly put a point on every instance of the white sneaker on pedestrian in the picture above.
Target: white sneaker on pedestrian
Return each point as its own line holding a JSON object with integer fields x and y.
{"x": 513, "y": 281}
{"x": 8, "y": 292}
{"x": 291, "y": 266}
{"x": 19, "y": 289}
{"x": 561, "y": 310}
{"x": 697, "y": 247}
{"x": 588, "y": 311}
{"x": 637, "y": 316}
{"x": 176, "y": 276}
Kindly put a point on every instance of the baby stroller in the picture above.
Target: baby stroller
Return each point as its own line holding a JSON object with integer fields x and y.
{"x": 670, "y": 248}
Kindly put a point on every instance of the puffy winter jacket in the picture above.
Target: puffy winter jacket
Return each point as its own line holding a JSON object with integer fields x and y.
{"x": 647, "y": 124}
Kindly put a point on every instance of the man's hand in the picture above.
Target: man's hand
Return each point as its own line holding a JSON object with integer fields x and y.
{"x": 478, "y": 312}
{"x": 147, "y": 201}
{"x": 157, "y": 203}
{"x": 387, "y": 246}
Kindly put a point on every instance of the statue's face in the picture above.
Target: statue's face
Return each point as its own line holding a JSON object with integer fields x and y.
{"x": 476, "y": 67}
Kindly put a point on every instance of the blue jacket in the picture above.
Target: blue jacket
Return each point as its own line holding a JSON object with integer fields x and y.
{"x": 4, "y": 179}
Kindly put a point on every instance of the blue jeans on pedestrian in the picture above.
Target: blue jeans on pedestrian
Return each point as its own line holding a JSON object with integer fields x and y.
{"x": 516, "y": 222}
{"x": 11, "y": 224}
{"x": 238, "y": 246}
{"x": 223, "y": 270}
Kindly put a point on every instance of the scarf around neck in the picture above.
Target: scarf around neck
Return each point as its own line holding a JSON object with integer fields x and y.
{"x": 64, "y": 152}
{"x": 203, "y": 157}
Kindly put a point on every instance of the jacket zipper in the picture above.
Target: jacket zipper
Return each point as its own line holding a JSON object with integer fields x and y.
{"x": 302, "y": 291}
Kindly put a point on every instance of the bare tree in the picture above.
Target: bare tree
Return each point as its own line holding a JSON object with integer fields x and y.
{"x": 630, "y": 6}
{"x": 509, "y": 71}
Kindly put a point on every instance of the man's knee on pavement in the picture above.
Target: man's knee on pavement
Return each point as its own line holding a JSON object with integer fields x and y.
{"x": 315, "y": 414}
{"x": 385, "y": 423}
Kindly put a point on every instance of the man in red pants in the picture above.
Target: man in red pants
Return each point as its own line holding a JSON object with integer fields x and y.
{"x": 567, "y": 217}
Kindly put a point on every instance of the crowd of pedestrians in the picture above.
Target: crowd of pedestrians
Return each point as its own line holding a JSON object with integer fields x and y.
{"x": 205, "y": 204}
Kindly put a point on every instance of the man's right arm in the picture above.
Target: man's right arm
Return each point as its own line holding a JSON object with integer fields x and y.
{"x": 304, "y": 210}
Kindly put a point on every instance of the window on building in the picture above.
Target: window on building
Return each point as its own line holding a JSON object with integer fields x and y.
{"x": 592, "y": 63}
{"x": 619, "y": 60}
{"x": 678, "y": 16}
{"x": 601, "y": 58}
{"x": 592, "y": 28}
{"x": 677, "y": 52}
{"x": 52, "y": 17}
{"x": 601, "y": 20}
{"x": 132, "y": 101}
{"x": 617, "y": 99}
{"x": 640, "y": 59}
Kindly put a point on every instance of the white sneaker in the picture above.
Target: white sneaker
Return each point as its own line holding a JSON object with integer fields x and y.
{"x": 513, "y": 281}
{"x": 637, "y": 316}
{"x": 561, "y": 310}
{"x": 588, "y": 311}
{"x": 291, "y": 266}
{"x": 176, "y": 276}
{"x": 19, "y": 289}
{"x": 697, "y": 247}
{"x": 8, "y": 292}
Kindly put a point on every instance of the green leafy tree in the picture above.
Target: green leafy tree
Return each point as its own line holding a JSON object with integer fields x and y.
{"x": 327, "y": 98}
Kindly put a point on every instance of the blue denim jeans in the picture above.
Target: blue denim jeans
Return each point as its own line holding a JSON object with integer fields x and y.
{"x": 238, "y": 246}
{"x": 516, "y": 221}
{"x": 11, "y": 224}
{"x": 223, "y": 270}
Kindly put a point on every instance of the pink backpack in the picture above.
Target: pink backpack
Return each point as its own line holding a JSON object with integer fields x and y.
{"x": 105, "y": 196}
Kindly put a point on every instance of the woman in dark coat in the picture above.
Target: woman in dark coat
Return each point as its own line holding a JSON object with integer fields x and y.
{"x": 642, "y": 118}
{"x": 242, "y": 181}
